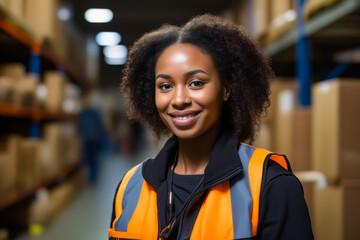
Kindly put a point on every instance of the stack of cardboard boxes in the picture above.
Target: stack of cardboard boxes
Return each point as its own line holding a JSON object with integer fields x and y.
{"x": 324, "y": 138}
{"x": 22, "y": 89}
{"x": 26, "y": 162}
{"x": 39, "y": 20}
{"x": 270, "y": 20}
{"x": 336, "y": 153}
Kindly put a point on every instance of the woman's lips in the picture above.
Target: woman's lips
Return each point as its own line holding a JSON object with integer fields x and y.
{"x": 183, "y": 119}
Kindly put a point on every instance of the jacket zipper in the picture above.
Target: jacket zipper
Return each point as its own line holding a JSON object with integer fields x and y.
{"x": 195, "y": 195}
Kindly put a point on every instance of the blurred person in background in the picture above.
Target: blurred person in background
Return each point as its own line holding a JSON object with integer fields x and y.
{"x": 92, "y": 133}
{"x": 205, "y": 84}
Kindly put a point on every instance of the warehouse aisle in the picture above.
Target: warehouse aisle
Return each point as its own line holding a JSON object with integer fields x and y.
{"x": 88, "y": 215}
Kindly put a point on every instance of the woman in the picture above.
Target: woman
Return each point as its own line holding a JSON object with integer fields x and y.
{"x": 207, "y": 84}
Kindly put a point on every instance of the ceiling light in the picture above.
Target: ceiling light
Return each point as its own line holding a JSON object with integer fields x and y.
{"x": 108, "y": 38}
{"x": 117, "y": 51}
{"x": 98, "y": 15}
{"x": 64, "y": 13}
{"x": 115, "y": 61}
{"x": 115, "y": 55}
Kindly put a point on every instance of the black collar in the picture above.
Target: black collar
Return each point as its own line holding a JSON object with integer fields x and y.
{"x": 224, "y": 161}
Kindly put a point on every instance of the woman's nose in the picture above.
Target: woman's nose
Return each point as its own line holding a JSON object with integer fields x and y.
{"x": 181, "y": 98}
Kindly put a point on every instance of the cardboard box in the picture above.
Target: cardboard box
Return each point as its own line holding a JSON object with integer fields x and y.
{"x": 9, "y": 157}
{"x": 336, "y": 129}
{"x": 29, "y": 167}
{"x": 265, "y": 137}
{"x": 17, "y": 8}
{"x": 25, "y": 91}
{"x": 337, "y": 212}
{"x": 6, "y": 90}
{"x": 262, "y": 16}
{"x": 55, "y": 83}
{"x": 293, "y": 137}
{"x": 40, "y": 16}
{"x": 14, "y": 71}
{"x": 279, "y": 7}
{"x": 52, "y": 150}
{"x": 278, "y": 85}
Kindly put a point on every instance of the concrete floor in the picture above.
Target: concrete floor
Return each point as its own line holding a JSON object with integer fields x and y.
{"x": 88, "y": 215}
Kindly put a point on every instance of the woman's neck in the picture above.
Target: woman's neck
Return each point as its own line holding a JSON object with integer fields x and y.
{"x": 194, "y": 154}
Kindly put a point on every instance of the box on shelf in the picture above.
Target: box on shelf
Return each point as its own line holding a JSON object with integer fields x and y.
{"x": 6, "y": 90}
{"x": 62, "y": 145}
{"x": 265, "y": 137}
{"x": 15, "y": 71}
{"x": 55, "y": 83}
{"x": 336, "y": 129}
{"x": 71, "y": 103}
{"x": 29, "y": 167}
{"x": 9, "y": 158}
{"x": 25, "y": 91}
{"x": 70, "y": 142}
{"x": 293, "y": 137}
{"x": 278, "y": 85}
{"x": 262, "y": 16}
{"x": 17, "y": 8}
{"x": 279, "y": 7}
{"x": 52, "y": 150}
{"x": 337, "y": 212}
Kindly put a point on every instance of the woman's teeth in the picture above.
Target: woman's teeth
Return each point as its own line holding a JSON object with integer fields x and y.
{"x": 184, "y": 117}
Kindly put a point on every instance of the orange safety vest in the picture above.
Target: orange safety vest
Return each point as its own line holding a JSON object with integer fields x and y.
{"x": 230, "y": 210}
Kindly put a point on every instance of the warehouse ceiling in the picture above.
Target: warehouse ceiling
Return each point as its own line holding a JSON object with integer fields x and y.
{"x": 132, "y": 18}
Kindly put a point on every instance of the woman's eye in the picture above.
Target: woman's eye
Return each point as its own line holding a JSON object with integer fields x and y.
{"x": 165, "y": 86}
{"x": 196, "y": 84}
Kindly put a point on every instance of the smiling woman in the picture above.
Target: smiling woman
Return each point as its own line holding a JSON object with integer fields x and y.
{"x": 188, "y": 93}
{"x": 207, "y": 84}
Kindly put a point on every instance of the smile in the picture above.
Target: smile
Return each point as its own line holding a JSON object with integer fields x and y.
{"x": 183, "y": 119}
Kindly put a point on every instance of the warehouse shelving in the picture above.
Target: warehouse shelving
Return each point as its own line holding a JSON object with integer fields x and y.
{"x": 34, "y": 113}
{"x": 18, "y": 45}
{"x": 322, "y": 25}
{"x": 18, "y": 36}
{"x": 329, "y": 31}
{"x": 18, "y": 195}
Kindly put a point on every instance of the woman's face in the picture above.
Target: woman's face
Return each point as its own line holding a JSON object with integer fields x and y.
{"x": 188, "y": 91}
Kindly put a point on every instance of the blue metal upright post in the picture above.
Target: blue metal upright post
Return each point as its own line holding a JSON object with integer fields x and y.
{"x": 35, "y": 69}
{"x": 303, "y": 59}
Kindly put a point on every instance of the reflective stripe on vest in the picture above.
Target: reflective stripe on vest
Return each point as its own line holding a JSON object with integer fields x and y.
{"x": 135, "y": 208}
{"x": 230, "y": 210}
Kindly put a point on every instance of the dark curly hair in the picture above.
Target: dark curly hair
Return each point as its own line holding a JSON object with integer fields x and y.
{"x": 236, "y": 55}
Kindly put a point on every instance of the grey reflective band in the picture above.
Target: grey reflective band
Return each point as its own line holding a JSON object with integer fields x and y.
{"x": 130, "y": 199}
{"x": 241, "y": 199}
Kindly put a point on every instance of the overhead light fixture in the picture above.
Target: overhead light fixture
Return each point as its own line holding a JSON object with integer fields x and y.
{"x": 65, "y": 13}
{"x": 115, "y": 61}
{"x": 115, "y": 55}
{"x": 98, "y": 15}
{"x": 108, "y": 38}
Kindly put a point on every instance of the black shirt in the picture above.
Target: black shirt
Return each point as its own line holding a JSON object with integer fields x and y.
{"x": 182, "y": 186}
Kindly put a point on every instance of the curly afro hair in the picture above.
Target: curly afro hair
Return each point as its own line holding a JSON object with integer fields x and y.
{"x": 237, "y": 57}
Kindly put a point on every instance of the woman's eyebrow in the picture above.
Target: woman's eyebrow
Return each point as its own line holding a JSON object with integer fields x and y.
{"x": 194, "y": 72}
{"x": 162, "y": 76}
{"x": 186, "y": 74}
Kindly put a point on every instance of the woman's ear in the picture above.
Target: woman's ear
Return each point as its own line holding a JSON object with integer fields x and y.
{"x": 226, "y": 89}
